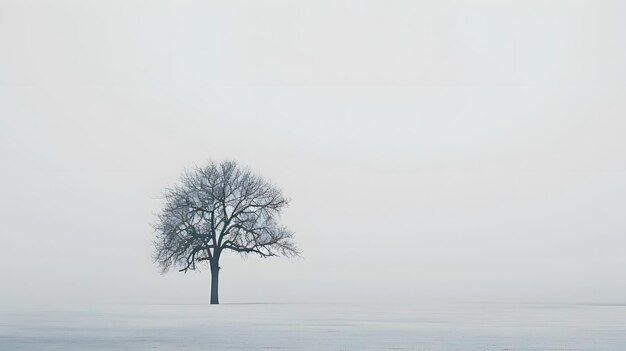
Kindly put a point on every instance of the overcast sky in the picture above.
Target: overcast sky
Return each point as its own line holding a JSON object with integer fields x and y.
{"x": 432, "y": 150}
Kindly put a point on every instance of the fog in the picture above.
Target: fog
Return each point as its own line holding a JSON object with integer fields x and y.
{"x": 432, "y": 150}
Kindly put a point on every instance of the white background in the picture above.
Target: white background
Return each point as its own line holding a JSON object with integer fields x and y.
{"x": 433, "y": 150}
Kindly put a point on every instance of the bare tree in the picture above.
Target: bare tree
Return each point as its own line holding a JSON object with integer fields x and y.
{"x": 216, "y": 208}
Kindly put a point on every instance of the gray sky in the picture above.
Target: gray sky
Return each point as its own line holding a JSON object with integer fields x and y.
{"x": 433, "y": 150}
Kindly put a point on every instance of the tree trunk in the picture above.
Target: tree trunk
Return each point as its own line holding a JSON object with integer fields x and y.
{"x": 215, "y": 274}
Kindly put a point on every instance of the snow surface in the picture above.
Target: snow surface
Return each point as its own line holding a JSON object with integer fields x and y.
{"x": 316, "y": 327}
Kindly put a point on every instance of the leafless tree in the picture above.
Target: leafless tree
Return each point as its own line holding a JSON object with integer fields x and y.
{"x": 217, "y": 208}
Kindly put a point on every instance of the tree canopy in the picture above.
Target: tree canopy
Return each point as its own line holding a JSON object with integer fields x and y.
{"x": 220, "y": 207}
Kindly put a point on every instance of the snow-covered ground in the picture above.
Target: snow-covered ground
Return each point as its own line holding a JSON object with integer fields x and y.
{"x": 316, "y": 327}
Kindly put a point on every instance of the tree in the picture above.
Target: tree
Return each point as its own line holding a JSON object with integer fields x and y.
{"x": 217, "y": 208}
